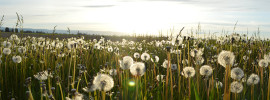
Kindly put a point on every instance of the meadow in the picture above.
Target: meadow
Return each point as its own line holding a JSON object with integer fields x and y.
{"x": 179, "y": 67}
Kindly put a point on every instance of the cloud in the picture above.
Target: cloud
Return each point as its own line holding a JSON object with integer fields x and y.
{"x": 97, "y": 6}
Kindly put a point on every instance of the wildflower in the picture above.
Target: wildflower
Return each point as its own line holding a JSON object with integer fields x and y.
{"x": 174, "y": 67}
{"x": 219, "y": 84}
{"x": 199, "y": 60}
{"x": 126, "y": 62}
{"x": 188, "y": 72}
{"x": 245, "y": 58}
{"x": 97, "y": 46}
{"x": 267, "y": 57}
{"x": 137, "y": 69}
{"x": 113, "y": 72}
{"x": 226, "y": 58}
{"x": 43, "y": 75}
{"x": 263, "y": 63}
{"x": 177, "y": 40}
{"x": 6, "y": 51}
{"x": 161, "y": 78}
{"x": 253, "y": 79}
{"x": 110, "y": 49}
{"x": 237, "y": 73}
{"x": 22, "y": 49}
{"x": 145, "y": 56}
{"x": 77, "y": 96}
{"x": 136, "y": 55}
{"x": 103, "y": 82}
{"x": 17, "y": 59}
{"x": 236, "y": 87}
{"x": 7, "y": 44}
{"x": 206, "y": 70}
{"x": 165, "y": 64}
{"x": 196, "y": 52}
{"x": 72, "y": 45}
{"x": 156, "y": 59}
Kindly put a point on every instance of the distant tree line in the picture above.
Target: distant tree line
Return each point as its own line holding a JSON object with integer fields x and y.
{"x": 16, "y": 30}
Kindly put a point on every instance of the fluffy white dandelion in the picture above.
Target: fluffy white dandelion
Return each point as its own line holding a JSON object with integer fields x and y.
{"x": 196, "y": 52}
{"x": 226, "y": 58}
{"x": 165, "y": 64}
{"x": 77, "y": 96}
{"x": 113, "y": 72}
{"x": 174, "y": 67}
{"x": 42, "y": 75}
{"x": 22, "y": 49}
{"x": 17, "y": 59}
{"x": 161, "y": 78}
{"x": 136, "y": 55}
{"x": 253, "y": 79}
{"x": 72, "y": 44}
{"x": 6, "y": 51}
{"x": 237, "y": 73}
{"x": 155, "y": 59}
{"x": 145, "y": 56}
{"x": 97, "y": 46}
{"x": 199, "y": 60}
{"x": 126, "y": 62}
{"x": 110, "y": 49}
{"x": 236, "y": 87}
{"x": 7, "y": 44}
{"x": 177, "y": 40}
{"x": 188, "y": 72}
{"x": 267, "y": 57}
{"x": 219, "y": 84}
{"x": 263, "y": 63}
{"x": 103, "y": 82}
{"x": 206, "y": 70}
{"x": 137, "y": 69}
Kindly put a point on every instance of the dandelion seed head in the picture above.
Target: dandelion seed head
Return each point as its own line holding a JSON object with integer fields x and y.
{"x": 113, "y": 72}
{"x": 17, "y": 59}
{"x": 126, "y": 62}
{"x": 6, "y": 44}
{"x": 42, "y": 75}
{"x": 219, "y": 84}
{"x": 136, "y": 55}
{"x": 6, "y": 51}
{"x": 253, "y": 79}
{"x": 165, "y": 63}
{"x": 155, "y": 59}
{"x": 145, "y": 56}
{"x": 206, "y": 70}
{"x": 188, "y": 72}
{"x": 174, "y": 67}
{"x": 137, "y": 69}
{"x": 103, "y": 82}
{"x": 226, "y": 58}
{"x": 236, "y": 87}
{"x": 263, "y": 63}
{"x": 22, "y": 49}
{"x": 237, "y": 73}
{"x": 160, "y": 78}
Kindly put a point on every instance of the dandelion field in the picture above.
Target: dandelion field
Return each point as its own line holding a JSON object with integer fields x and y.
{"x": 176, "y": 68}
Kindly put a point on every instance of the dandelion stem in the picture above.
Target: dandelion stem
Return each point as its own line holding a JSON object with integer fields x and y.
{"x": 61, "y": 91}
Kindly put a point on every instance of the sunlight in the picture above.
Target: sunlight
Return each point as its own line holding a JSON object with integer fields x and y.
{"x": 143, "y": 17}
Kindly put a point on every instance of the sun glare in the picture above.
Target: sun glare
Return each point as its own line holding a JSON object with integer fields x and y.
{"x": 144, "y": 17}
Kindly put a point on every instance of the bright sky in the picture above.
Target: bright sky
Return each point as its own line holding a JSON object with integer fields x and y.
{"x": 140, "y": 16}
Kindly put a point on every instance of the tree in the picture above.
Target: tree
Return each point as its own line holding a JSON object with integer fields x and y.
{"x": 7, "y": 29}
{"x": 16, "y": 30}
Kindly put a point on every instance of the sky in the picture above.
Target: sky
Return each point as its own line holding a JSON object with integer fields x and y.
{"x": 141, "y": 16}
